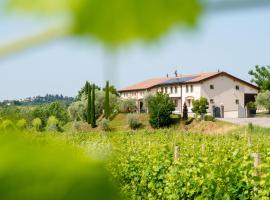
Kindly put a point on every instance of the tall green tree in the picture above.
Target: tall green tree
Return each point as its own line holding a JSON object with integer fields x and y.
{"x": 88, "y": 89}
{"x": 261, "y": 77}
{"x": 93, "y": 108}
{"x": 185, "y": 112}
{"x": 107, "y": 100}
{"x": 200, "y": 106}
{"x": 263, "y": 100}
{"x": 160, "y": 110}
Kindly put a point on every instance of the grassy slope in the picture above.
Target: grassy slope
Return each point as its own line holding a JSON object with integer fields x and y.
{"x": 120, "y": 123}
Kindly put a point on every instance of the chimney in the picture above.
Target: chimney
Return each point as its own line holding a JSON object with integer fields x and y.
{"x": 167, "y": 75}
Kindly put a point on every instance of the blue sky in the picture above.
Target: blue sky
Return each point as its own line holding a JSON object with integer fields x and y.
{"x": 231, "y": 41}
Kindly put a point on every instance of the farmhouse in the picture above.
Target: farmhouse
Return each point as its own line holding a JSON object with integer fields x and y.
{"x": 227, "y": 95}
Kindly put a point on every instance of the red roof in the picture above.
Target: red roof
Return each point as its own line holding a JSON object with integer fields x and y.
{"x": 189, "y": 79}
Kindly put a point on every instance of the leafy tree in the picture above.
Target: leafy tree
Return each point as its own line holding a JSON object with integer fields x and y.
{"x": 263, "y": 100}
{"x": 77, "y": 111}
{"x": 261, "y": 77}
{"x": 93, "y": 108}
{"x": 185, "y": 112}
{"x": 200, "y": 106}
{"x": 107, "y": 101}
{"x": 112, "y": 90}
{"x": 58, "y": 110}
{"x": 89, "y": 93}
{"x": 160, "y": 110}
{"x": 127, "y": 105}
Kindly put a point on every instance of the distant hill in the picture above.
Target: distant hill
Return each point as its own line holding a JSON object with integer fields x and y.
{"x": 39, "y": 100}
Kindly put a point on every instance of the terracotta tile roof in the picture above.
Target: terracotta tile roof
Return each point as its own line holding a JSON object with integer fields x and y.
{"x": 185, "y": 79}
{"x": 145, "y": 84}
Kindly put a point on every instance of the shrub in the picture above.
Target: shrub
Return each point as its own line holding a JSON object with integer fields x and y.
{"x": 134, "y": 121}
{"x": 53, "y": 124}
{"x": 21, "y": 124}
{"x": 189, "y": 121}
{"x": 7, "y": 124}
{"x": 127, "y": 106}
{"x": 209, "y": 118}
{"x": 104, "y": 125}
{"x": 37, "y": 124}
{"x": 160, "y": 110}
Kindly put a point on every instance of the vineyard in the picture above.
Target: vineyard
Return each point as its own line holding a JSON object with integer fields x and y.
{"x": 145, "y": 164}
{"x": 231, "y": 166}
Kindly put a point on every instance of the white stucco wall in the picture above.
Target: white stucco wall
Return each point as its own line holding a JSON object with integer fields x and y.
{"x": 225, "y": 93}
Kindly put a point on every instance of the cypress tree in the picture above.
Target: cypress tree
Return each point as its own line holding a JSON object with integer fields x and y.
{"x": 86, "y": 88}
{"x": 185, "y": 112}
{"x": 107, "y": 101}
{"x": 89, "y": 88}
{"x": 93, "y": 109}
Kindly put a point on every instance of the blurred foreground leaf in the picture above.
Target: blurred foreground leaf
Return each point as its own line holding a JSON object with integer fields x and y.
{"x": 40, "y": 168}
{"x": 119, "y": 21}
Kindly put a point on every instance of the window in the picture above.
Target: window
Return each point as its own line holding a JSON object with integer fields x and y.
{"x": 237, "y": 87}
{"x": 166, "y": 90}
{"x": 212, "y": 87}
{"x": 212, "y": 101}
{"x": 162, "y": 89}
{"x": 237, "y": 101}
{"x": 176, "y": 103}
{"x": 171, "y": 90}
{"x": 189, "y": 102}
{"x": 191, "y": 88}
{"x": 175, "y": 90}
{"x": 187, "y": 90}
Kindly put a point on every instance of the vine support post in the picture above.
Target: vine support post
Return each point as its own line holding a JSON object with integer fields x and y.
{"x": 176, "y": 153}
{"x": 203, "y": 148}
{"x": 257, "y": 162}
{"x": 249, "y": 141}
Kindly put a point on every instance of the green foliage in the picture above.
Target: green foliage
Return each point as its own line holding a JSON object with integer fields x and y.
{"x": 200, "y": 106}
{"x": 160, "y": 110}
{"x": 130, "y": 20}
{"x": 185, "y": 112}
{"x": 105, "y": 125}
{"x": 93, "y": 108}
{"x": 21, "y": 124}
{"x": 88, "y": 90}
{"x": 77, "y": 111}
{"x": 261, "y": 77}
{"x": 112, "y": 90}
{"x": 251, "y": 105}
{"x": 134, "y": 121}
{"x": 209, "y": 167}
{"x": 127, "y": 106}
{"x": 127, "y": 20}
{"x": 37, "y": 124}
{"x": 209, "y": 118}
{"x": 40, "y": 168}
{"x": 107, "y": 101}
{"x": 53, "y": 124}
{"x": 263, "y": 100}
{"x": 58, "y": 110}
{"x": 7, "y": 125}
